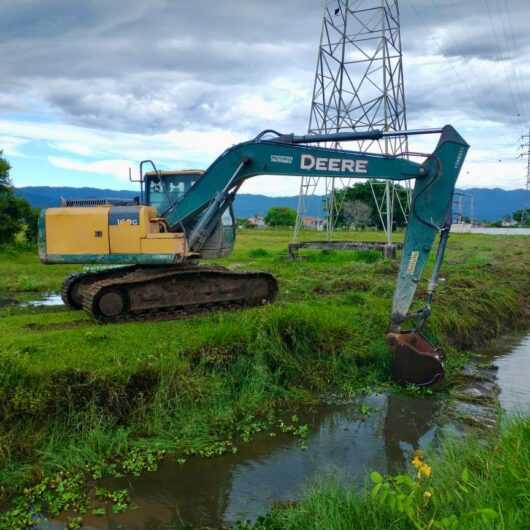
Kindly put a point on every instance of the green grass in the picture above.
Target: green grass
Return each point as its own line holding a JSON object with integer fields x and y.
{"x": 76, "y": 394}
{"x": 475, "y": 484}
{"x": 21, "y": 272}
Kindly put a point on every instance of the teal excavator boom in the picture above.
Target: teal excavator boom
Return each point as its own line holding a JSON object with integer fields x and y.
{"x": 289, "y": 155}
{"x": 190, "y": 206}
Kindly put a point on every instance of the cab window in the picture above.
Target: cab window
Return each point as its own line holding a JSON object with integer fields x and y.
{"x": 166, "y": 187}
{"x": 156, "y": 193}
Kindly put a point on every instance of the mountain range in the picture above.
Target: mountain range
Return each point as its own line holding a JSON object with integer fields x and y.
{"x": 489, "y": 204}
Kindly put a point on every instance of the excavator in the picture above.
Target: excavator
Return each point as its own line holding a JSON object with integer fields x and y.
{"x": 150, "y": 247}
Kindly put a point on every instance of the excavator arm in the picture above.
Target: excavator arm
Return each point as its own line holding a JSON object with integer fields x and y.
{"x": 200, "y": 209}
{"x": 415, "y": 359}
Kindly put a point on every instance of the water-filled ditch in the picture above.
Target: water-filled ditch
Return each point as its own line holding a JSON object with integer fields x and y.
{"x": 377, "y": 432}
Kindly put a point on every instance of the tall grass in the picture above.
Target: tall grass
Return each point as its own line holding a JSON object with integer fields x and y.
{"x": 243, "y": 366}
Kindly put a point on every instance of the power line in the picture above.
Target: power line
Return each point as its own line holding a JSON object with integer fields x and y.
{"x": 511, "y": 34}
{"x": 498, "y": 40}
{"x": 470, "y": 69}
{"x": 432, "y": 38}
{"x": 463, "y": 77}
{"x": 525, "y": 152}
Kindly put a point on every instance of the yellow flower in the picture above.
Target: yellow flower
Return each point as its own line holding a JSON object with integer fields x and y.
{"x": 427, "y": 494}
{"x": 416, "y": 462}
{"x": 425, "y": 470}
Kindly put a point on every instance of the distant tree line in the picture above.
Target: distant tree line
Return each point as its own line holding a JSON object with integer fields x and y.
{"x": 522, "y": 216}
{"x": 358, "y": 210}
{"x": 17, "y": 217}
{"x": 280, "y": 216}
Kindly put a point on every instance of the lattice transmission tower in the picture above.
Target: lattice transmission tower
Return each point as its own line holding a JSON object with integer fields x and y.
{"x": 463, "y": 208}
{"x": 359, "y": 85}
{"x": 525, "y": 144}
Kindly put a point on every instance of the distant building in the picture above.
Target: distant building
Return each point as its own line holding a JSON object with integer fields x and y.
{"x": 461, "y": 228}
{"x": 315, "y": 223}
{"x": 256, "y": 221}
{"x": 509, "y": 222}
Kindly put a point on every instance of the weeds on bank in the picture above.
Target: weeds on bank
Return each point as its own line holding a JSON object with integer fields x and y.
{"x": 420, "y": 501}
{"x": 76, "y": 493}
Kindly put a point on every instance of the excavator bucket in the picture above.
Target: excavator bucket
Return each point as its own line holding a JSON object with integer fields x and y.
{"x": 415, "y": 359}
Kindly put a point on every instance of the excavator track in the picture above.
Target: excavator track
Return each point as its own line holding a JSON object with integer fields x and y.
{"x": 69, "y": 291}
{"x": 155, "y": 293}
{"x": 74, "y": 285}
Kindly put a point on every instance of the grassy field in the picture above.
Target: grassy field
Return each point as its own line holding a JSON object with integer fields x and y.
{"x": 88, "y": 400}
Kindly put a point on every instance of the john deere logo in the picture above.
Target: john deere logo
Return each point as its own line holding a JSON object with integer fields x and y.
{"x": 341, "y": 165}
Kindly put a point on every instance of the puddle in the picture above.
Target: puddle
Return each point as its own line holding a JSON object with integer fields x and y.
{"x": 220, "y": 491}
{"x": 47, "y": 300}
{"x": 342, "y": 443}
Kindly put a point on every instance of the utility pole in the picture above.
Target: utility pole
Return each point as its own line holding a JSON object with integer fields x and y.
{"x": 525, "y": 152}
{"x": 358, "y": 86}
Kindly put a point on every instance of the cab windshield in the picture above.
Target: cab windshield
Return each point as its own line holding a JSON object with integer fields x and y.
{"x": 161, "y": 190}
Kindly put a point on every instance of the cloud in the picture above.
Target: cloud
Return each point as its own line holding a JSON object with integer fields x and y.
{"x": 152, "y": 67}
{"x": 116, "y": 168}
{"x": 171, "y": 148}
{"x": 10, "y": 146}
{"x": 486, "y": 175}
{"x": 164, "y": 65}
{"x": 180, "y": 81}
{"x": 70, "y": 147}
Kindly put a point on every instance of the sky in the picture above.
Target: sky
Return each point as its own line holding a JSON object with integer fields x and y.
{"x": 89, "y": 88}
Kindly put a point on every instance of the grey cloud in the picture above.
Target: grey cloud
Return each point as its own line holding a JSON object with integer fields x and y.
{"x": 492, "y": 29}
{"x": 160, "y": 65}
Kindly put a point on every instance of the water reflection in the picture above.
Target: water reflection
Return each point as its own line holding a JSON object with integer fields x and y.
{"x": 343, "y": 444}
{"x": 513, "y": 378}
{"x": 408, "y": 425}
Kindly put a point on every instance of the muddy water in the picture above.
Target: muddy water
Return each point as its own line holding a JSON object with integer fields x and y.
{"x": 220, "y": 491}
{"x": 343, "y": 443}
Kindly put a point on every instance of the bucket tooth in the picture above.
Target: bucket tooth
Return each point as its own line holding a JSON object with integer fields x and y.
{"x": 415, "y": 359}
